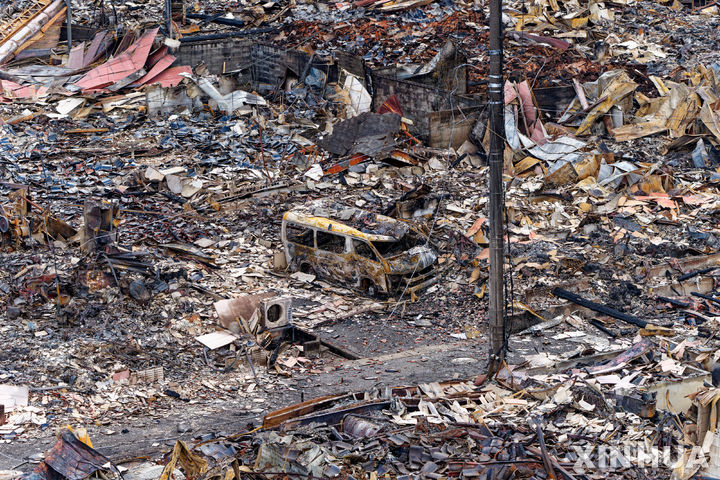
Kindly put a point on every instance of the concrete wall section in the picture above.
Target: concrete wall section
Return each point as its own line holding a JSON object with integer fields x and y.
{"x": 232, "y": 53}
{"x": 351, "y": 64}
{"x": 451, "y": 128}
{"x": 417, "y": 100}
{"x": 271, "y": 64}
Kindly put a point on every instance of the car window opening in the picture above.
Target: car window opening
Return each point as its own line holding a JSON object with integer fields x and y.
{"x": 408, "y": 241}
{"x": 299, "y": 235}
{"x": 330, "y": 243}
{"x": 364, "y": 250}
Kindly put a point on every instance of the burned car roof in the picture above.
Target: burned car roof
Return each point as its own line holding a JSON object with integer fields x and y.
{"x": 339, "y": 218}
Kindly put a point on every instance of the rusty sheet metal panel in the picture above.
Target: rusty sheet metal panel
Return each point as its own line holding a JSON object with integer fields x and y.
{"x": 72, "y": 459}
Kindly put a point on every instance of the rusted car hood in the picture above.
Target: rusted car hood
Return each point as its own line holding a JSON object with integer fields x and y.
{"x": 422, "y": 257}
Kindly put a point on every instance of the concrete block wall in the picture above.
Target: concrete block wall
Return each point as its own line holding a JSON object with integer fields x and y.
{"x": 263, "y": 63}
{"x": 271, "y": 62}
{"x": 265, "y": 66}
{"x": 269, "y": 65}
{"x": 233, "y": 53}
{"x": 350, "y": 63}
{"x": 417, "y": 100}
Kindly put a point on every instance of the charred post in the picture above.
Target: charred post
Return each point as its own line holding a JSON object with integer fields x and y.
{"x": 98, "y": 228}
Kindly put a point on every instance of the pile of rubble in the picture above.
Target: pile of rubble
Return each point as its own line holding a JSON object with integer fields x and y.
{"x": 580, "y": 419}
{"x": 244, "y": 204}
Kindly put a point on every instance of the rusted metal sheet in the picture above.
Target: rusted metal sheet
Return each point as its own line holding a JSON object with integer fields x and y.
{"x": 77, "y": 54}
{"x": 356, "y": 159}
{"x": 170, "y": 77}
{"x": 9, "y": 89}
{"x": 334, "y": 417}
{"x": 276, "y": 418}
{"x": 72, "y": 459}
{"x": 323, "y": 409}
{"x": 159, "y": 67}
{"x": 94, "y": 49}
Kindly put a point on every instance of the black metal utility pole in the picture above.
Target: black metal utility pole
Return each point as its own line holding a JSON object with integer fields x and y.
{"x": 496, "y": 318}
{"x": 168, "y": 17}
{"x": 68, "y": 24}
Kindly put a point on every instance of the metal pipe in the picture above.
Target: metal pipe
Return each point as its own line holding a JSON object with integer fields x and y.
{"x": 232, "y": 22}
{"x": 221, "y": 36}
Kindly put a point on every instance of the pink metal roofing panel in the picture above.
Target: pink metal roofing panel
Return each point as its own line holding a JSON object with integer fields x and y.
{"x": 122, "y": 66}
{"x": 170, "y": 77}
{"x": 161, "y": 65}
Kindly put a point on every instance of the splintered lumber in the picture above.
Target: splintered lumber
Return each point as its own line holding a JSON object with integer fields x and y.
{"x": 11, "y": 27}
{"x": 598, "y": 307}
{"x": 31, "y": 24}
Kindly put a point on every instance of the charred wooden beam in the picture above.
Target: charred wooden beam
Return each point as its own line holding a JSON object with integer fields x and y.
{"x": 599, "y": 325}
{"x": 219, "y": 19}
{"x": 598, "y": 307}
{"x": 673, "y": 302}
{"x": 706, "y": 297}
{"x": 690, "y": 275}
{"x": 223, "y": 35}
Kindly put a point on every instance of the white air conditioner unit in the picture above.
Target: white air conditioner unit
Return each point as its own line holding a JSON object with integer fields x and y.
{"x": 275, "y": 313}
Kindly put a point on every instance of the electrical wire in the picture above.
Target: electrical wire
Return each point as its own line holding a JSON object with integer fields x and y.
{"x": 509, "y": 290}
{"x": 52, "y": 249}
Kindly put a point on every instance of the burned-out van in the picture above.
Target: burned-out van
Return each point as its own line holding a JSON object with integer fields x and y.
{"x": 358, "y": 248}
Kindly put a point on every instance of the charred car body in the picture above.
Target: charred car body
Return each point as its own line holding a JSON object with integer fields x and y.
{"x": 370, "y": 252}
